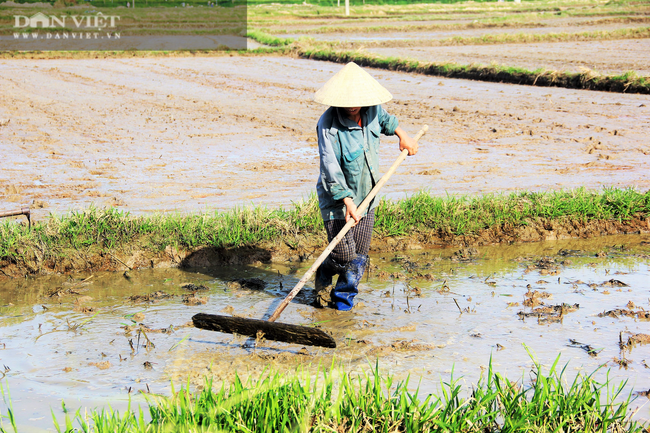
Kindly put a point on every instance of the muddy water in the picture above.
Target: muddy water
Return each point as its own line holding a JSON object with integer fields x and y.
{"x": 423, "y": 313}
{"x": 192, "y": 134}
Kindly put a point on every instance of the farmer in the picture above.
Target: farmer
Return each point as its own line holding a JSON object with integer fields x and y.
{"x": 348, "y": 144}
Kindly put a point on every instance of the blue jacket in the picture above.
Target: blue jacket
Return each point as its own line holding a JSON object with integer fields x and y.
{"x": 349, "y": 157}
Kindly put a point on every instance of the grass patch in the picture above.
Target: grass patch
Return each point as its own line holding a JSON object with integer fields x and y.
{"x": 420, "y": 216}
{"x": 629, "y": 82}
{"x": 266, "y": 39}
{"x": 490, "y": 23}
{"x": 528, "y": 38}
{"x": 499, "y": 38}
{"x": 373, "y": 401}
{"x": 465, "y": 215}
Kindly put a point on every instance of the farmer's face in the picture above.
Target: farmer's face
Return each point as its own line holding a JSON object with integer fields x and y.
{"x": 352, "y": 112}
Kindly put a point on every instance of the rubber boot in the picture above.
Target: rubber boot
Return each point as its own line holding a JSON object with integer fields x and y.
{"x": 323, "y": 281}
{"x": 346, "y": 287}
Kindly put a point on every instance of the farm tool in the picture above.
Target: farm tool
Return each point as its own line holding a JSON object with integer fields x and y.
{"x": 288, "y": 333}
{"x": 23, "y": 211}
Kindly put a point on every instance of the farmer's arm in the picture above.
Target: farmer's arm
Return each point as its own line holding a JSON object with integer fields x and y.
{"x": 390, "y": 126}
{"x": 332, "y": 176}
{"x": 406, "y": 142}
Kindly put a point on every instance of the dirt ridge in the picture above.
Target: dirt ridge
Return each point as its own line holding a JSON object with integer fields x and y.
{"x": 133, "y": 257}
{"x": 586, "y": 81}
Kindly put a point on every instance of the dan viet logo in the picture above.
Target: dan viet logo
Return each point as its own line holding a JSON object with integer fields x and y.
{"x": 98, "y": 26}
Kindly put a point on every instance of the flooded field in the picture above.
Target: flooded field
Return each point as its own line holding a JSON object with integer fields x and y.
{"x": 98, "y": 339}
{"x": 192, "y": 134}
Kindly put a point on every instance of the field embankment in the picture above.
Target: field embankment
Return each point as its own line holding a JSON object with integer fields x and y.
{"x": 107, "y": 239}
{"x": 587, "y": 80}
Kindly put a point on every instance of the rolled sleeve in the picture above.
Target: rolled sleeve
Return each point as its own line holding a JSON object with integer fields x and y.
{"x": 388, "y": 123}
{"x": 332, "y": 177}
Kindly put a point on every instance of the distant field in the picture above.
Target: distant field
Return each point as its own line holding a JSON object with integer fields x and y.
{"x": 228, "y": 3}
{"x": 590, "y": 44}
{"x": 585, "y": 44}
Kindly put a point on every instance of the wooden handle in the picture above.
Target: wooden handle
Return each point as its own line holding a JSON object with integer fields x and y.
{"x": 362, "y": 207}
{"x": 22, "y": 211}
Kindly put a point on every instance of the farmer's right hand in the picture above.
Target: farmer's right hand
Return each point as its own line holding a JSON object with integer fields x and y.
{"x": 351, "y": 211}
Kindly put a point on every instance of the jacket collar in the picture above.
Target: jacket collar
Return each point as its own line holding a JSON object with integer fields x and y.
{"x": 347, "y": 122}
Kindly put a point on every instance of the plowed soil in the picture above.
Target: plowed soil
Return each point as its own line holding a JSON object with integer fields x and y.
{"x": 192, "y": 134}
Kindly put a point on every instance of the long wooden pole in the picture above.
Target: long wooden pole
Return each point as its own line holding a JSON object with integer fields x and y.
{"x": 23, "y": 211}
{"x": 362, "y": 207}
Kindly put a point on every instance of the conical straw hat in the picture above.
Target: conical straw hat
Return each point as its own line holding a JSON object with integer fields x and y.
{"x": 352, "y": 87}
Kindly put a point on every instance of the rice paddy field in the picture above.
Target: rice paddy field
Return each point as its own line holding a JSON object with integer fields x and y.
{"x": 508, "y": 286}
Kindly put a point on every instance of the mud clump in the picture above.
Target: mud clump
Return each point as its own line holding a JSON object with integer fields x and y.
{"x": 614, "y": 283}
{"x": 546, "y": 263}
{"x": 192, "y": 299}
{"x": 428, "y": 277}
{"x": 533, "y": 298}
{"x": 465, "y": 255}
{"x": 193, "y": 287}
{"x": 551, "y": 313}
{"x": 284, "y": 356}
{"x": 432, "y": 172}
{"x": 618, "y": 312}
{"x": 141, "y": 327}
{"x": 151, "y": 297}
{"x": 229, "y": 309}
{"x": 410, "y": 345}
{"x": 104, "y": 365}
{"x": 60, "y": 292}
{"x": 80, "y": 307}
{"x": 544, "y": 313}
{"x": 635, "y": 339}
{"x": 383, "y": 275}
{"x": 622, "y": 362}
{"x": 247, "y": 283}
{"x": 400, "y": 346}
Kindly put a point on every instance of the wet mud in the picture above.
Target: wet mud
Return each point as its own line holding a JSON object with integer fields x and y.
{"x": 91, "y": 339}
{"x": 163, "y": 135}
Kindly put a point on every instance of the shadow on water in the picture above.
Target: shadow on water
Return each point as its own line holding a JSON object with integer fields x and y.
{"x": 247, "y": 274}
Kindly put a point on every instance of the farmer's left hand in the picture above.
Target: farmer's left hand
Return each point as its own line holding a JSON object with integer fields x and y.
{"x": 406, "y": 142}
